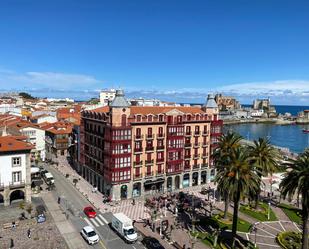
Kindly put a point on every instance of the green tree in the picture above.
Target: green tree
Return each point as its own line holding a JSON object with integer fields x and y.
{"x": 26, "y": 95}
{"x": 296, "y": 182}
{"x": 264, "y": 158}
{"x": 222, "y": 157}
{"x": 240, "y": 179}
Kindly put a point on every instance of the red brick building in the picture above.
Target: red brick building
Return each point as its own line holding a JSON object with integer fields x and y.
{"x": 126, "y": 150}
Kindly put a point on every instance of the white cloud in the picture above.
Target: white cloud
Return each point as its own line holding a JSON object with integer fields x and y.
{"x": 53, "y": 80}
{"x": 273, "y": 88}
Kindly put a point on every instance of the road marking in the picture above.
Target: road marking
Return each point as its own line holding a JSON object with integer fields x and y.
{"x": 134, "y": 247}
{"x": 272, "y": 227}
{"x": 101, "y": 243}
{"x": 105, "y": 221}
{"x": 265, "y": 244}
{"x": 88, "y": 222}
{"x": 95, "y": 223}
{"x": 98, "y": 220}
{"x": 282, "y": 226}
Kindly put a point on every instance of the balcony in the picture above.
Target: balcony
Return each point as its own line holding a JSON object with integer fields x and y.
{"x": 204, "y": 155}
{"x": 204, "y": 145}
{"x": 160, "y": 136}
{"x": 160, "y": 173}
{"x": 149, "y": 149}
{"x": 138, "y": 137}
{"x": 1, "y": 186}
{"x": 160, "y": 148}
{"x": 160, "y": 160}
{"x": 205, "y": 133}
{"x": 187, "y": 168}
{"x": 196, "y": 156}
{"x": 149, "y": 136}
{"x": 197, "y": 133}
{"x": 204, "y": 165}
{"x": 188, "y": 145}
{"x": 138, "y": 164}
{"x": 20, "y": 184}
{"x": 149, "y": 162}
{"x": 196, "y": 145}
{"x": 137, "y": 176}
{"x": 187, "y": 157}
{"x": 138, "y": 150}
{"x": 196, "y": 166}
{"x": 188, "y": 134}
{"x": 149, "y": 174}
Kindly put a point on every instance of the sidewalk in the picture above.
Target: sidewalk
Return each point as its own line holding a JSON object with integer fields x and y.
{"x": 71, "y": 236}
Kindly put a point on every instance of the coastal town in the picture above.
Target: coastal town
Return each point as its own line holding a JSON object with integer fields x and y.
{"x": 154, "y": 124}
{"x": 155, "y": 162}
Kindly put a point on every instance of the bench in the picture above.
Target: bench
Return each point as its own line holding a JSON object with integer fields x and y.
{"x": 9, "y": 225}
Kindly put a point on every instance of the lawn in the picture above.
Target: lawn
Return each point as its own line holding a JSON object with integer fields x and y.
{"x": 217, "y": 221}
{"x": 261, "y": 214}
{"x": 293, "y": 213}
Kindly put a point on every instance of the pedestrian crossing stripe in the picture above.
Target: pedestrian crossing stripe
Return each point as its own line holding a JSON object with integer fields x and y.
{"x": 97, "y": 221}
{"x": 105, "y": 221}
{"x": 94, "y": 222}
{"x": 88, "y": 222}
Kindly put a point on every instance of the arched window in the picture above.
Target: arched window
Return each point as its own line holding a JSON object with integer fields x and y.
{"x": 123, "y": 120}
{"x": 139, "y": 118}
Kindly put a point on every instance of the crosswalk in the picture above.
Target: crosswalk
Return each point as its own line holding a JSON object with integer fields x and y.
{"x": 99, "y": 220}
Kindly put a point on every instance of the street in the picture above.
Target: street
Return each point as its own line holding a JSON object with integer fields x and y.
{"x": 73, "y": 200}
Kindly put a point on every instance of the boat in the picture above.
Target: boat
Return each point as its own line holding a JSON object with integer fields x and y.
{"x": 305, "y": 131}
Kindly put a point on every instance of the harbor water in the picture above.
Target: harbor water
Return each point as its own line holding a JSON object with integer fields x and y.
{"x": 287, "y": 136}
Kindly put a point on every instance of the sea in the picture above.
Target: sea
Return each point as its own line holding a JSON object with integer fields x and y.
{"x": 287, "y": 136}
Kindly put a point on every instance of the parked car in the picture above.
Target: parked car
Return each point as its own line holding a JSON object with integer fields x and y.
{"x": 90, "y": 212}
{"x": 89, "y": 235}
{"x": 152, "y": 243}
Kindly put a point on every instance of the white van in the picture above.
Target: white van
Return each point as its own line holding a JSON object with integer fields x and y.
{"x": 124, "y": 227}
{"x": 49, "y": 179}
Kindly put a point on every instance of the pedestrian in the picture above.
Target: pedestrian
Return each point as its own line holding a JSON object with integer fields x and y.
{"x": 58, "y": 200}
{"x": 29, "y": 233}
{"x": 133, "y": 222}
{"x": 133, "y": 202}
{"x": 13, "y": 225}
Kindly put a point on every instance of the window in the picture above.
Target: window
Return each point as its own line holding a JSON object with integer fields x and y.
{"x": 124, "y": 120}
{"x": 150, "y": 118}
{"x": 138, "y": 132}
{"x": 16, "y": 161}
{"x": 160, "y": 118}
{"x": 16, "y": 176}
{"x": 160, "y": 131}
{"x": 149, "y": 131}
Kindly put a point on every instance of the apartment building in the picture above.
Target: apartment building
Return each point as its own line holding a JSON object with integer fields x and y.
{"x": 57, "y": 139}
{"x": 15, "y": 178}
{"x": 128, "y": 151}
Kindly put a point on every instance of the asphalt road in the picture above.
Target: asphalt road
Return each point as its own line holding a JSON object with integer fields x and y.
{"x": 72, "y": 199}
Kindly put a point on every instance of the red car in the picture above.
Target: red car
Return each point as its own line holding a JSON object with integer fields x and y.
{"x": 90, "y": 212}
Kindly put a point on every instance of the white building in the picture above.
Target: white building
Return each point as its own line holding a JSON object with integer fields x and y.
{"x": 36, "y": 136}
{"x": 257, "y": 113}
{"x": 106, "y": 96}
{"x": 15, "y": 172}
{"x": 44, "y": 118}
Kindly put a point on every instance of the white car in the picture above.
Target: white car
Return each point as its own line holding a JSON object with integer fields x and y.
{"x": 89, "y": 235}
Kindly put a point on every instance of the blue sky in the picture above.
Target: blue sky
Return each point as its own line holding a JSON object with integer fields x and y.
{"x": 173, "y": 50}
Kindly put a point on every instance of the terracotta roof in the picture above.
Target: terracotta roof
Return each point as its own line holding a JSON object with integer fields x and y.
{"x": 155, "y": 110}
{"x": 102, "y": 109}
{"x": 11, "y": 143}
{"x": 58, "y": 127}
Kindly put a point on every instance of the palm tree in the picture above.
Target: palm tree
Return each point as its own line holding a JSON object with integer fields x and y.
{"x": 240, "y": 179}
{"x": 296, "y": 181}
{"x": 265, "y": 159}
{"x": 222, "y": 156}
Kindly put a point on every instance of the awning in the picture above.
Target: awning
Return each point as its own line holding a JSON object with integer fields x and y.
{"x": 149, "y": 182}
